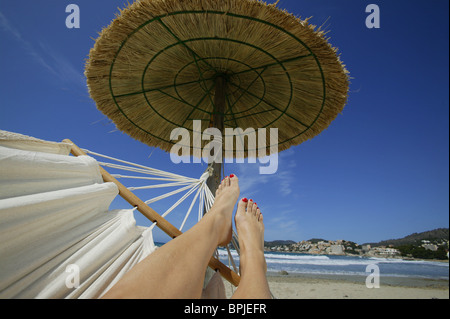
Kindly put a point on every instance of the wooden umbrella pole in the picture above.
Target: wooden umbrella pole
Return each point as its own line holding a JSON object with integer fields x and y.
{"x": 214, "y": 180}
{"x": 153, "y": 216}
{"x": 217, "y": 121}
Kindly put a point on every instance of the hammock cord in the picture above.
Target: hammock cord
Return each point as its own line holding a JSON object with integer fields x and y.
{"x": 198, "y": 187}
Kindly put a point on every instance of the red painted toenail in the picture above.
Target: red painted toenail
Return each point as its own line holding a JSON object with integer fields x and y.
{"x": 245, "y": 200}
{"x": 232, "y": 175}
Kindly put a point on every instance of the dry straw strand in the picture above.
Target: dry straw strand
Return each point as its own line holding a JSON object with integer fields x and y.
{"x": 153, "y": 69}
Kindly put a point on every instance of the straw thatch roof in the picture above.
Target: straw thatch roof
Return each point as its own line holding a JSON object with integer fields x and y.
{"x": 154, "y": 69}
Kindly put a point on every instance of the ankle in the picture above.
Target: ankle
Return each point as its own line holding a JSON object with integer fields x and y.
{"x": 219, "y": 226}
{"x": 256, "y": 255}
{"x": 255, "y": 263}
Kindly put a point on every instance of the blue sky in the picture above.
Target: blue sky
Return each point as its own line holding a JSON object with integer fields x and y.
{"x": 380, "y": 171}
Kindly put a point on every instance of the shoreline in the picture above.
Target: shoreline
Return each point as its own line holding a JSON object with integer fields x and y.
{"x": 362, "y": 256}
{"x": 321, "y": 286}
{"x": 394, "y": 281}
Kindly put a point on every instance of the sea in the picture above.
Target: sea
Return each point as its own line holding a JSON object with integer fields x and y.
{"x": 306, "y": 264}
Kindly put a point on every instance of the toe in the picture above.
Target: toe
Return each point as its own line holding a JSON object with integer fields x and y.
{"x": 234, "y": 180}
{"x": 260, "y": 216}
{"x": 219, "y": 189}
{"x": 252, "y": 207}
{"x": 242, "y": 206}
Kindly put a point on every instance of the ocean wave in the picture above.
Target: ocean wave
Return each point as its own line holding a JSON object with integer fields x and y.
{"x": 319, "y": 262}
{"x": 301, "y": 263}
{"x": 400, "y": 261}
{"x": 333, "y": 260}
{"x": 348, "y": 261}
{"x": 347, "y": 265}
{"x": 296, "y": 257}
{"x": 310, "y": 271}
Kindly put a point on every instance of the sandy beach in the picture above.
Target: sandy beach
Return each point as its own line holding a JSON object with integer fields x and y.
{"x": 352, "y": 287}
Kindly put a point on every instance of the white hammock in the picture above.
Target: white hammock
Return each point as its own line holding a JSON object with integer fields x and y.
{"x": 187, "y": 184}
{"x": 54, "y": 217}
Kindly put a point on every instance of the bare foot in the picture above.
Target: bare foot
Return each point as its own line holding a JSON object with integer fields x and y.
{"x": 250, "y": 229}
{"x": 226, "y": 196}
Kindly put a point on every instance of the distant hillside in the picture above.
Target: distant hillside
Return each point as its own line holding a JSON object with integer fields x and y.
{"x": 436, "y": 235}
{"x": 316, "y": 240}
{"x": 278, "y": 243}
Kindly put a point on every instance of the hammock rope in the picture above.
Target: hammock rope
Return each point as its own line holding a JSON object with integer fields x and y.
{"x": 56, "y": 212}
{"x": 191, "y": 186}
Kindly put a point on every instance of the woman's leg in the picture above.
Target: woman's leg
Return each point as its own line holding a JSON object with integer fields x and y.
{"x": 177, "y": 269}
{"x": 250, "y": 229}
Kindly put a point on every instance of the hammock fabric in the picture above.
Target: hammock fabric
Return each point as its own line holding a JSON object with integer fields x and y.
{"x": 55, "y": 217}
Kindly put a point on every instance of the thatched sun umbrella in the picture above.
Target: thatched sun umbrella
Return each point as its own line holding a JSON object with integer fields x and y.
{"x": 232, "y": 63}
{"x": 161, "y": 64}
